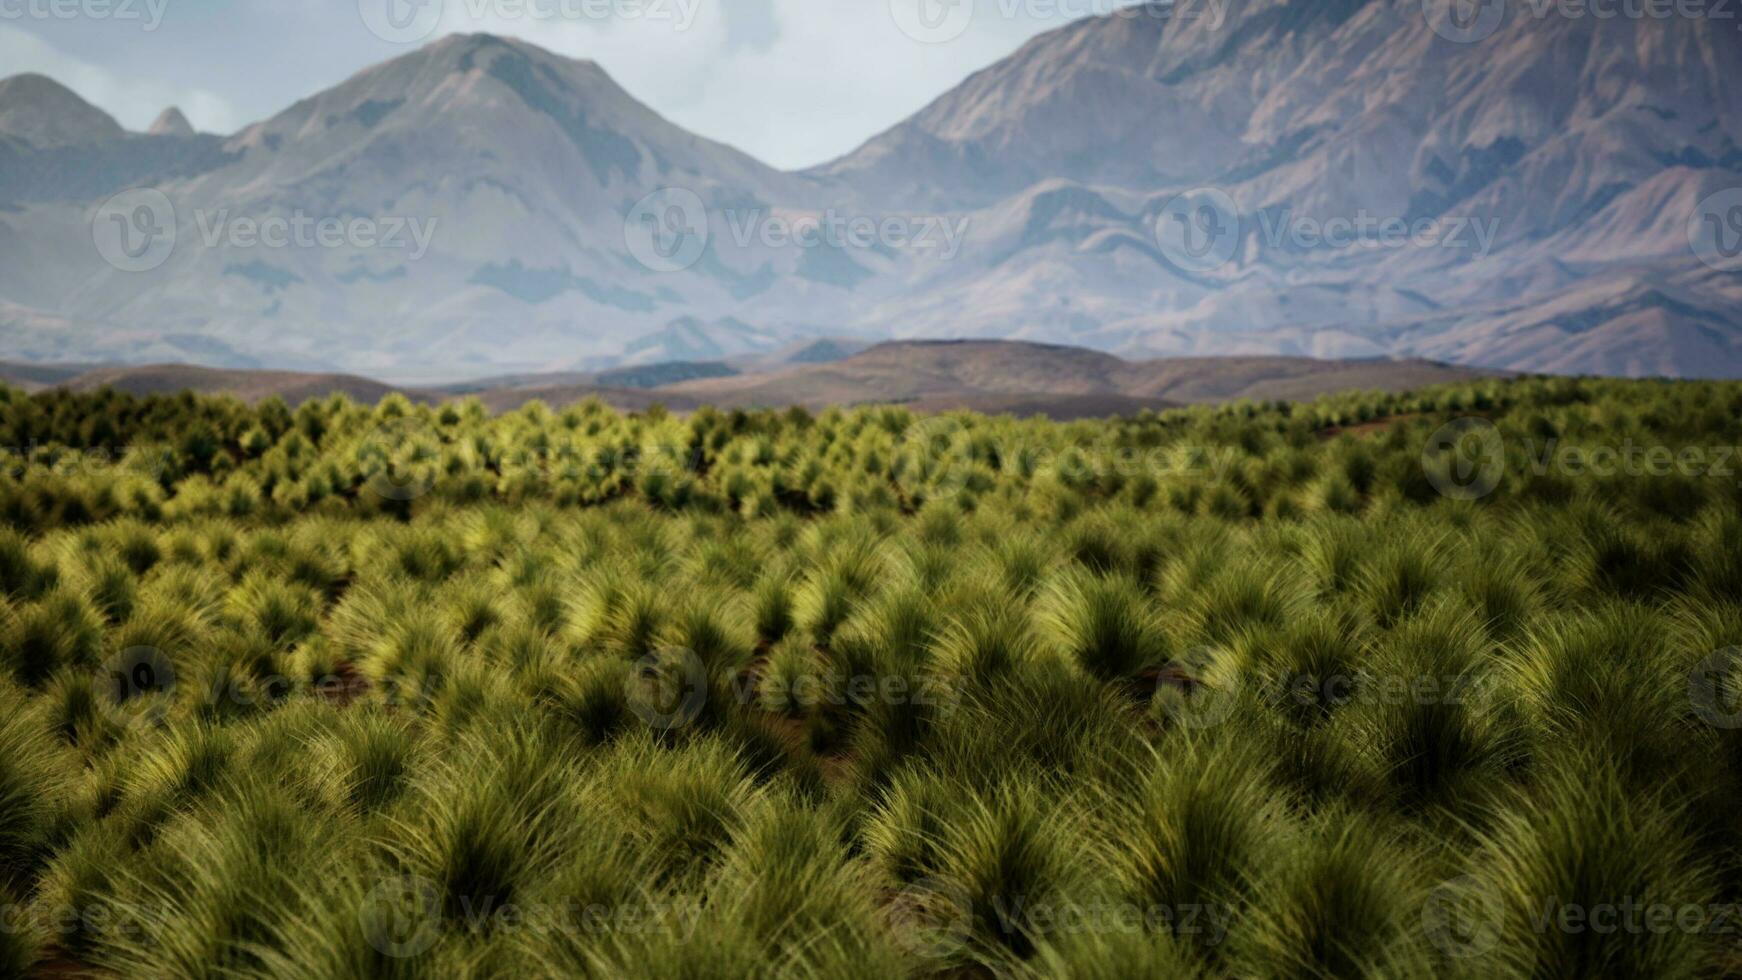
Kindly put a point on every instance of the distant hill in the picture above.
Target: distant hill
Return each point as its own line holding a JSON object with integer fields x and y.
{"x": 250, "y": 386}
{"x": 978, "y": 374}
{"x": 32, "y": 377}
{"x": 995, "y": 377}
{"x": 665, "y": 373}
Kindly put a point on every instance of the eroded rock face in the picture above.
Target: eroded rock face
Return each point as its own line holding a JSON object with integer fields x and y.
{"x": 1529, "y": 198}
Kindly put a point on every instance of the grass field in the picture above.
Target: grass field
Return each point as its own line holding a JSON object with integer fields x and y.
{"x": 1433, "y": 684}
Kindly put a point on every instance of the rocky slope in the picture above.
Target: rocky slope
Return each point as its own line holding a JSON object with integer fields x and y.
{"x": 1561, "y": 194}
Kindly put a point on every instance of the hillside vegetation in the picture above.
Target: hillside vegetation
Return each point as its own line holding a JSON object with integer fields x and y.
{"x": 1440, "y": 683}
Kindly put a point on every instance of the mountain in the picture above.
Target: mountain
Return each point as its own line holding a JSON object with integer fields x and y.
{"x": 1330, "y": 106}
{"x": 171, "y": 123}
{"x": 1542, "y": 165}
{"x": 41, "y": 112}
{"x": 493, "y": 178}
{"x": 1373, "y": 182}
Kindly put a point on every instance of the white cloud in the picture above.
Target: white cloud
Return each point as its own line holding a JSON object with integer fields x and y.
{"x": 792, "y": 82}
{"x": 831, "y": 74}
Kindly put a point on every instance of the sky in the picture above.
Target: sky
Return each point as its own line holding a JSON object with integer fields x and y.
{"x": 792, "y": 82}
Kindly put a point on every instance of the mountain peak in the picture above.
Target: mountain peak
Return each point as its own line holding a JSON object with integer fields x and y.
{"x": 171, "y": 123}
{"x": 43, "y": 112}
{"x": 469, "y": 52}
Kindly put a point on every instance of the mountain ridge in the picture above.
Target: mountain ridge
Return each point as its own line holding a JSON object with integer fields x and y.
{"x": 537, "y": 177}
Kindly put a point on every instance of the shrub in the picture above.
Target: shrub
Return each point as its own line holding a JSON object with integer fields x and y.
{"x": 1343, "y": 901}
{"x": 1103, "y": 624}
{"x": 42, "y": 637}
{"x": 1581, "y": 842}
